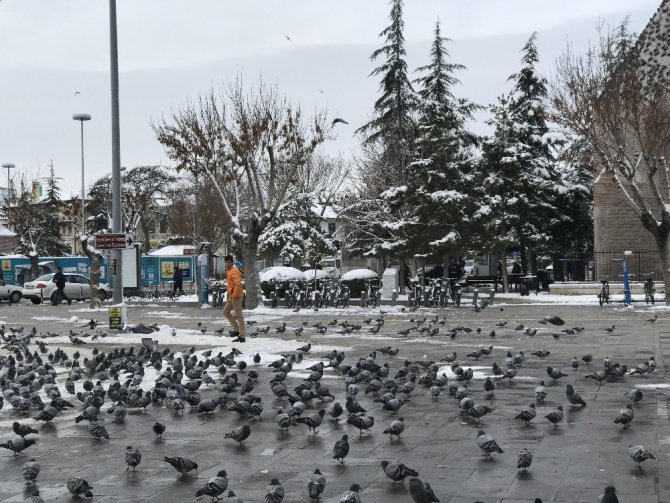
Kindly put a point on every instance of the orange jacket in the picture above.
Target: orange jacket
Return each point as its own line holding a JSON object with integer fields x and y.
{"x": 234, "y": 283}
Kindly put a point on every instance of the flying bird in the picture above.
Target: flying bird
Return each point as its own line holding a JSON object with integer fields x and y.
{"x": 338, "y": 119}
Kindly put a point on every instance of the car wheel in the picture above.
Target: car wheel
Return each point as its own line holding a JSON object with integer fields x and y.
{"x": 36, "y": 301}
{"x": 15, "y": 297}
{"x": 102, "y": 295}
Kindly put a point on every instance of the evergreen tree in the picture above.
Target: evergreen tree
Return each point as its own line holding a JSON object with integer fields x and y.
{"x": 538, "y": 182}
{"x": 441, "y": 175}
{"x": 295, "y": 232}
{"x": 51, "y": 242}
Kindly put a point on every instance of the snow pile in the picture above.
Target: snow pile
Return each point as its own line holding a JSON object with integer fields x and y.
{"x": 281, "y": 274}
{"x": 359, "y": 274}
{"x": 172, "y": 250}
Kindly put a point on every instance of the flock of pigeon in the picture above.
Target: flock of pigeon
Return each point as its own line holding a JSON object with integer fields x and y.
{"x": 39, "y": 385}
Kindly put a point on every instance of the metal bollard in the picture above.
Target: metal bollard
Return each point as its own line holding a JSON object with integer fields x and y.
{"x": 316, "y": 297}
{"x": 410, "y": 298}
{"x": 475, "y": 294}
{"x": 364, "y": 296}
{"x": 491, "y": 295}
{"x": 394, "y": 297}
{"x": 426, "y": 294}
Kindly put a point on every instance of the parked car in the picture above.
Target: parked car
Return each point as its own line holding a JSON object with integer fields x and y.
{"x": 76, "y": 288}
{"x": 12, "y": 293}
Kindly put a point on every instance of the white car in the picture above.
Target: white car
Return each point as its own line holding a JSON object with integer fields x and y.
{"x": 76, "y": 288}
{"x": 12, "y": 293}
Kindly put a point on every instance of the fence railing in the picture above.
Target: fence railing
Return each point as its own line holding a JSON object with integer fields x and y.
{"x": 608, "y": 264}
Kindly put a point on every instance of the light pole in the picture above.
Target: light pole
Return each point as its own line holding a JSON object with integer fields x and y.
{"x": 81, "y": 118}
{"x": 8, "y": 166}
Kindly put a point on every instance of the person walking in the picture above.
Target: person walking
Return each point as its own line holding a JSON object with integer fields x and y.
{"x": 177, "y": 281}
{"x": 234, "y": 299}
{"x": 60, "y": 280}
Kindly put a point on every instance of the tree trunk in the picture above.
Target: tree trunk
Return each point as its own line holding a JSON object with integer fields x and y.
{"x": 252, "y": 280}
{"x": 662, "y": 248}
{"x": 502, "y": 254}
{"x": 94, "y": 273}
{"x": 34, "y": 265}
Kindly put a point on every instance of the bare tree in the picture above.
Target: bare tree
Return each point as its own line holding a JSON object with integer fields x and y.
{"x": 251, "y": 144}
{"x": 616, "y": 97}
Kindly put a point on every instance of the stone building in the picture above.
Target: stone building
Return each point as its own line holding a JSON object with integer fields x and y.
{"x": 616, "y": 227}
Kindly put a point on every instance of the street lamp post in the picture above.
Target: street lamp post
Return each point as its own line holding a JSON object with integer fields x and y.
{"x": 81, "y": 118}
{"x": 8, "y": 166}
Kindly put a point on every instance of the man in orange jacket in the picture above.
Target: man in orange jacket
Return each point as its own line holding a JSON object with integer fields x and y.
{"x": 234, "y": 299}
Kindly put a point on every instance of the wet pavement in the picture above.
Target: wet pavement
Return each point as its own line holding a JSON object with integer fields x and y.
{"x": 572, "y": 463}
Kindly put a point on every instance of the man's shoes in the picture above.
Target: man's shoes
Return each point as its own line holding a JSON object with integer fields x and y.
{"x": 69, "y": 302}
{"x": 233, "y": 333}
{"x": 239, "y": 339}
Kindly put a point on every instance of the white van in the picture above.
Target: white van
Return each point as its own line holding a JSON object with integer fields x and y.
{"x": 332, "y": 265}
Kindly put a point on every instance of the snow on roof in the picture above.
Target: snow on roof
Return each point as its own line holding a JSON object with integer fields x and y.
{"x": 279, "y": 274}
{"x": 173, "y": 250}
{"x": 4, "y": 231}
{"x": 359, "y": 274}
{"x": 328, "y": 212}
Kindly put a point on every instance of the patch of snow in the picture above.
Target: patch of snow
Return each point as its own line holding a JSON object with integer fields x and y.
{"x": 359, "y": 274}
{"x": 173, "y": 250}
{"x": 280, "y": 274}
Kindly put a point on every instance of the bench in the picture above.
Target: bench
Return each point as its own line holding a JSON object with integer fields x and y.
{"x": 514, "y": 281}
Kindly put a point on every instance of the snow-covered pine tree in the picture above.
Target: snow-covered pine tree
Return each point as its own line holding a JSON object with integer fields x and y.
{"x": 389, "y": 135}
{"x": 51, "y": 241}
{"x": 440, "y": 177}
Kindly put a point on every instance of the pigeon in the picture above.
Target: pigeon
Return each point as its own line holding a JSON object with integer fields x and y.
{"x": 97, "y": 430}
{"x": 316, "y": 485}
{"x": 159, "y": 429}
{"x": 553, "y": 319}
{"x": 574, "y": 363}
{"x": 31, "y": 469}
{"x": 18, "y": 444}
{"x": 420, "y": 492}
{"x": 352, "y": 495}
{"x": 133, "y": 457}
{"x": 524, "y": 459}
{"x": 555, "y": 374}
{"x": 635, "y": 395}
{"x": 487, "y": 444}
{"x": 23, "y": 429}
{"x": 394, "y": 405}
{"x": 313, "y": 421}
{"x": 653, "y": 318}
{"x": 341, "y": 449}
{"x": 609, "y": 330}
{"x": 573, "y": 396}
{"x": 182, "y": 465}
{"x": 361, "y": 422}
{"x": 283, "y": 420}
{"x": 274, "y": 493}
{"x": 639, "y": 454}
{"x": 555, "y": 416}
{"x": 397, "y": 471}
{"x": 239, "y": 434}
{"x": 527, "y": 414}
{"x": 609, "y": 496}
{"x": 624, "y": 417}
{"x": 396, "y": 428}
{"x": 34, "y": 499}
{"x": 215, "y": 486}
{"x": 337, "y": 120}
{"x": 78, "y": 487}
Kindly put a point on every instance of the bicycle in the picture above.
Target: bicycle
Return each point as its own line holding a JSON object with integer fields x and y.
{"x": 455, "y": 292}
{"x": 649, "y": 288}
{"x": 604, "y": 295}
{"x": 371, "y": 292}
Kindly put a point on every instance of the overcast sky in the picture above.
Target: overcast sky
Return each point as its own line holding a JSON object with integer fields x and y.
{"x": 55, "y": 62}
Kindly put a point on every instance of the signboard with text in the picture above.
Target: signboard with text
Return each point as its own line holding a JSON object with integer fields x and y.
{"x": 114, "y": 241}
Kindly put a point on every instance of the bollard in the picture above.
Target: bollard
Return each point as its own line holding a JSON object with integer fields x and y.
{"x": 491, "y": 295}
{"x": 410, "y": 298}
{"x": 475, "y": 294}
{"x": 316, "y": 297}
{"x": 363, "y": 297}
{"x": 426, "y": 294}
{"x": 394, "y": 297}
